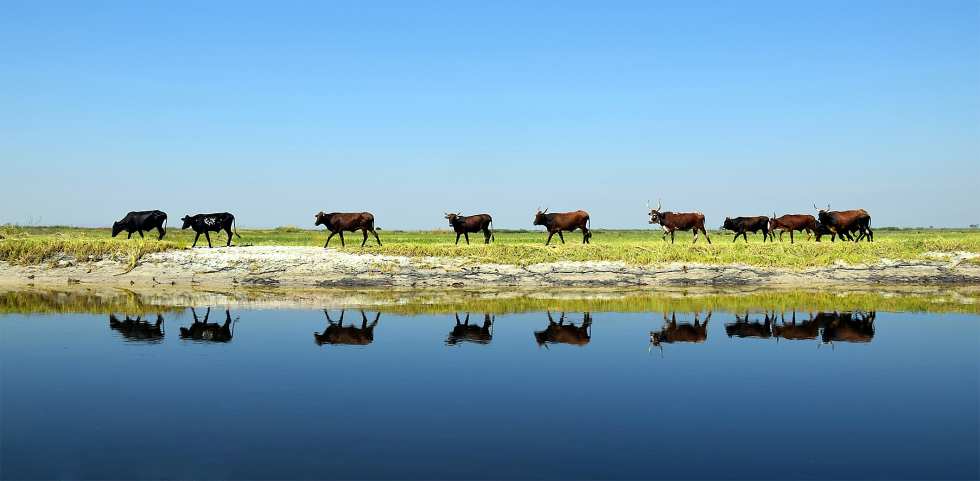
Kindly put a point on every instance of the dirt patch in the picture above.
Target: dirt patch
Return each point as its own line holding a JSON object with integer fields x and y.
{"x": 311, "y": 267}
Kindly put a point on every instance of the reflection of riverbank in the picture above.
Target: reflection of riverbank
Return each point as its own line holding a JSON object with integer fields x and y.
{"x": 107, "y": 299}
{"x": 295, "y": 266}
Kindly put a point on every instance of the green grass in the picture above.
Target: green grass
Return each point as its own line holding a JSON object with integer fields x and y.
{"x": 34, "y": 245}
{"x": 405, "y": 302}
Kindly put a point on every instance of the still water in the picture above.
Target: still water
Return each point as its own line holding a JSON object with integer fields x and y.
{"x": 251, "y": 393}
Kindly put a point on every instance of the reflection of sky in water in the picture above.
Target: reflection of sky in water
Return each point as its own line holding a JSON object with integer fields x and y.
{"x": 80, "y": 399}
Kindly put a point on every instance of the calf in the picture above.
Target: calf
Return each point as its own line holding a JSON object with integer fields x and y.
{"x": 473, "y": 223}
{"x": 350, "y": 335}
{"x": 791, "y": 222}
{"x": 145, "y": 220}
{"x": 741, "y": 225}
{"x": 565, "y": 221}
{"x": 847, "y": 221}
{"x": 821, "y": 230}
{"x": 338, "y": 222}
{"x": 205, "y": 223}
{"x": 670, "y": 222}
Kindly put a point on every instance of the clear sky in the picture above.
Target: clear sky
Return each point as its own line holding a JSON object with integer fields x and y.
{"x": 277, "y": 110}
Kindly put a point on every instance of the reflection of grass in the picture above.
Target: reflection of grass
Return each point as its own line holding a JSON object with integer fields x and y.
{"x": 959, "y": 299}
{"x": 32, "y": 245}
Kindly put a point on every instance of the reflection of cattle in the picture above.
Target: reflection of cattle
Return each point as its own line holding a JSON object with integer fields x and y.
{"x": 213, "y": 332}
{"x": 136, "y": 330}
{"x": 350, "y": 335}
{"x": 673, "y": 332}
{"x": 849, "y": 327}
{"x": 743, "y": 328}
{"x": 797, "y": 332}
{"x": 563, "y": 333}
{"x": 467, "y": 332}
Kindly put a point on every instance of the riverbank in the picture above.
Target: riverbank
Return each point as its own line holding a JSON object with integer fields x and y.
{"x": 293, "y": 266}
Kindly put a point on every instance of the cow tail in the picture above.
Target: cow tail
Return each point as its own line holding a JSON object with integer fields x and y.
{"x": 234, "y": 224}
{"x": 491, "y": 230}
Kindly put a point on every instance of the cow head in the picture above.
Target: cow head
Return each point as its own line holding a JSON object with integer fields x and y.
{"x": 772, "y": 222}
{"x": 451, "y": 217}
{"x": 823, "y": 215}
{"x": 540, "y": 218}
{"x": 729, "y": 224}
{"x": 321, "y": 218}
{"x": 116, "y": 228}
{"x": 655, "y": 215}
{"x": 188, "y": 221}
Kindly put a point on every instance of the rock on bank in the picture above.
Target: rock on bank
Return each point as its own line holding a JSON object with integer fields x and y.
{"x": 313, "y": 266}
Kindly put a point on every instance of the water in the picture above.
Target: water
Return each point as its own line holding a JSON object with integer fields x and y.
{"x": 287, "y": 393}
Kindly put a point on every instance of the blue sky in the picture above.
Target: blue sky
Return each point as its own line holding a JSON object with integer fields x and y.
{"x": 277, "y": 110}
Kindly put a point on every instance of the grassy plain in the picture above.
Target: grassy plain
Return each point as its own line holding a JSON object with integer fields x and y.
{"x": 35, "y": 245}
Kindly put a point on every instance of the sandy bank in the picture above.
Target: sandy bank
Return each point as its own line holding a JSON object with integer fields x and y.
{"x": 316, "y": 267}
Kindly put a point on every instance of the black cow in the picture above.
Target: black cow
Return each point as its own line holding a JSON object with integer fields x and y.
{"x": 474, "y": 333}
{"x": 350, "y": 335}
{"x": 464, "y": 224}
{"x": 565, "y": 333}
{"x": 204, "y": 223}
{"x": 213, "y": 332}
{"x": 136, "y": 330}
{"x": 145, "y": 220}
{"x": 741, "y": 225}
{"x": 673, "y": 332}
{"x": 847, "y": 221}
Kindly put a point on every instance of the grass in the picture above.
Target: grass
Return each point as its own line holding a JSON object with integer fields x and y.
{"x": 34, "y": 245}
{"x": 959, "y": 299}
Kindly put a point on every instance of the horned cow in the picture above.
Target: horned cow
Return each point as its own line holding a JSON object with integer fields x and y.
{"x": 670, "y": 221}
{"x": 338, "y": 222}
{"x": 792, "y": 222}
{"x": 465, "y": 224}
{"x": 847, "y": 221}
{"x": 557, "y": 222}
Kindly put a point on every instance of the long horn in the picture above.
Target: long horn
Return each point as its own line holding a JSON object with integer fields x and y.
{"x": 828, "y": 207}
{"x": 648, "y": 205}
{"x": 546, "y": 210}
{"x": 815, "y": 207}
{"x": 658, "y": 204}
{"x": 539, "y": 208}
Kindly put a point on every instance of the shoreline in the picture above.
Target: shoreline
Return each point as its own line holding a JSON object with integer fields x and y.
{"x": 289, "y": 266}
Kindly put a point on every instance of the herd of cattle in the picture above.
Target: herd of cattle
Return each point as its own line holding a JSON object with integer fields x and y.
{"x": 841, "y": 224}
{"x": 829, "y": 327}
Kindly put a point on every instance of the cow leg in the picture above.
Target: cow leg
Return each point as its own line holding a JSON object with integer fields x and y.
{"x": 162, "y": 232}
{"x": 550, "y": 234}
{"x": 790, "y": 236}
{"x": 228, "y": 230}
{"x": 486, "y": 235}
{"x": 208, "y": 237}
{"x": 328, "y": 240}
{"x": 671, "y": 236}
{"x": 457, "y": 238}
{"x": 141, "y": 234}
{"x": 695, "y": 235}
{"x": 129, "y": 235}
{"x": 198, "y": 236}
{"x": 664, "y": 237}
{"x": 364, "y": 231}
{"x": 342, "y": 239}
{"x": 376, "y": 236}
{"x": 561, "y": 237}
{"x": 467, "y": 236}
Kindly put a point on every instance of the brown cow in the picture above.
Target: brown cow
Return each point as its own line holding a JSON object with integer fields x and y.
{"x": 847, "y": 221}
{"x": 474, "y": 333}
{"x": 338, "y": 222}
{"x": 471, "y": 223}
{"x": 791, "y": 222}
{"x": 565, "y": 221}
{"x": 743, "y": 328}
{"x": 565, "y": 333}
{"x": 670, "y": 222}
{"x": 350, "y": 335}
{"x": 672, "y": 332}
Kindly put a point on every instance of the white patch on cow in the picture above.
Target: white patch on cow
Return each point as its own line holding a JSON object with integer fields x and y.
{"x": 664, "y": 228}
{"x": 210, "y": 221}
